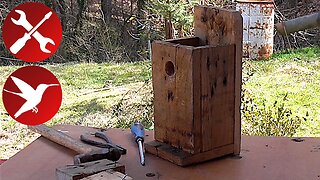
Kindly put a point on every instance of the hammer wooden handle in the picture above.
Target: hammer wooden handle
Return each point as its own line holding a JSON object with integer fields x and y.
{"x": 61, "y": 138}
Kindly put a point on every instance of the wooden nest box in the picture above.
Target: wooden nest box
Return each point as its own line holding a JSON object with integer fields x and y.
{"x": 197, "y": 84}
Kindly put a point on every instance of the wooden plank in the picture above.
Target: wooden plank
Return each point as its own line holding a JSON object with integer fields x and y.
{"x": 73, "y": 172}
{"x": 109, "y": 174}
{"x": 183, "y": 124}
{"x": 216, "y": 26}
{"x": 182, "y": 158}
{"x": 206, "y": 121}
{"x": 173, "y": 95}
{"x": 163, "y": 86}
{"x": 208, "y": 155}
{"x": 221, "y": 97}
{"x": 196, "y": 119}
{"x": 190, "y": 41}
{"x": 217, "y": 96}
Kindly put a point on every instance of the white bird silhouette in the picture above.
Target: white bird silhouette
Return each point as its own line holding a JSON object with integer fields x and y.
{"x": 32, "y": 97}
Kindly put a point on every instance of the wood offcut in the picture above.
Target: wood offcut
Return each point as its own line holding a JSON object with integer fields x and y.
{"x": 79, "y": 171}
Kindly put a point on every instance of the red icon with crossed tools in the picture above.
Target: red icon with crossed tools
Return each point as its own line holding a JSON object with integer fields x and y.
{"x": 32, "y": 32}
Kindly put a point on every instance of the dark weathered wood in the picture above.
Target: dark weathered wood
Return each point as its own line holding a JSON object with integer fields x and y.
{"x": 73, "y": 172}
{"x": 173, "y": 94}
{"x": 182, "y": 158}
{"x": 217, "y": 96}
{"x": 197, "y": 96}
{"x": 194, "y": 105}
{"x": 205, "y": 105}
{"x": 196, "y": 120}
{"x": 191, "y": 41}
{"x": 163, "y": 52}
{"x": 183, "y": 125}
{"x": 216, "y": 26}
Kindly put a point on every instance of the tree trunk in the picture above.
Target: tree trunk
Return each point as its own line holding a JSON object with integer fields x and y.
{"x": 106, "y": 6}
{"x": 142, "y": 43}
{"x": 168, "y": 26}
{"x": 140, "y": 7}
{"x": 81, "y": 7}
{"x": 62, "y": 8}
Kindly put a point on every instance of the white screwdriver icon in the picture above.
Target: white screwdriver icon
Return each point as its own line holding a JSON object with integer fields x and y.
{"x": 20, "y": 43}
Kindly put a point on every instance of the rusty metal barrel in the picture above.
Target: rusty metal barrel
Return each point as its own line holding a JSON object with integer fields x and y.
{"x": 258, "y": 25}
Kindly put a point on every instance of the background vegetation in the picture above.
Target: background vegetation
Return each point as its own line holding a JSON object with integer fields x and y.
{"x": 122, "y": 30}
{"x": 281, "y": 95}
{"x": 104, "y": 68}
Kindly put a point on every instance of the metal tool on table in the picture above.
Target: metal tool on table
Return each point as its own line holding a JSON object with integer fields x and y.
{"x": 106, "y": 144}
{"x": 137, "y": 130}
{"x": 87, "y": 154}
{"x": 89, "y": 162}
{"x": 22, "y": 21}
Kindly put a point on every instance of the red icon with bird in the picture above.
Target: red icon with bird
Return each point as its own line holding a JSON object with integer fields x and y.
{"x": 32, "y": 95}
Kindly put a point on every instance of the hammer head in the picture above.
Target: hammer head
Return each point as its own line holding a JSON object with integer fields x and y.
{"x": 112, "y": 154}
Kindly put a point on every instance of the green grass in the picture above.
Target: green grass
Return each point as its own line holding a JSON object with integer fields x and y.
{"x": 295, "y": 73}
{"x": 91, "y": 75}
{"x": 91, "y": 96}
{"x": 77, "y": 80}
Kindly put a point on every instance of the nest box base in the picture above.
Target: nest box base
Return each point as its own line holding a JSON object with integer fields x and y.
{"x": 182, "y": 158}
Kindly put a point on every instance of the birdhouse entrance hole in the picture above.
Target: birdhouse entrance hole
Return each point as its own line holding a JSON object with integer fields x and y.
{"x": 169, "y": 68}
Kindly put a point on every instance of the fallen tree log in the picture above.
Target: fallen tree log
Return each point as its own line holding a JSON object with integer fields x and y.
{"x": 298, "y": 24}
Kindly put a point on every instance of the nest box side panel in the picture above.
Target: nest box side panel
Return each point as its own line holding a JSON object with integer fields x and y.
{"x": 216, "y": 26}
{"x": 217, "y": 96}
{"x": 172, "y": 84}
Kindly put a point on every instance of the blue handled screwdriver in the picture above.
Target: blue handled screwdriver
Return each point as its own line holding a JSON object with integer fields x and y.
{"x": 137, "y": 130}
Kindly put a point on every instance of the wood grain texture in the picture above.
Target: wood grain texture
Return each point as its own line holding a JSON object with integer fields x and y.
{"x": 217, "y": 96}
{"x": 182, "y": 158}
{"x": 161, "y": 53}
{"x": 173, "y": 95}
{"x": 72, "y": 172}
{"x": 196, "y": 120}
{"x": 194, "y": 106}
{"x": 190, "y": 41}
{"x": 197, "y": 85}
{"x": 61, "y": 138}
{"x": 216, "y": 26}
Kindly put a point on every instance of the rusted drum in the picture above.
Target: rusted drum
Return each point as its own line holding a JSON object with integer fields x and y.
{"x": 258, "y": 24}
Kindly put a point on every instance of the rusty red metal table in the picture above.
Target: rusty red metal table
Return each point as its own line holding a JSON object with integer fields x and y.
{"x": 263, "y": 158}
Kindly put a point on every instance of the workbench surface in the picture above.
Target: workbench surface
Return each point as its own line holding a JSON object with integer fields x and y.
{"x": 263, "y": 158}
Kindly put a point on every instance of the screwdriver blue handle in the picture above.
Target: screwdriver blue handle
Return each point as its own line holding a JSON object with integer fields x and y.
{"x": 137, "y": 130}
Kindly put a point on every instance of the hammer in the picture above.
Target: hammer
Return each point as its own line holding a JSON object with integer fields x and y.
{"x": 86, "y": 153}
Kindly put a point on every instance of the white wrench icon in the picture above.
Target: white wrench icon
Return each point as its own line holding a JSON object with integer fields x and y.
{"x": 43, "y": 41}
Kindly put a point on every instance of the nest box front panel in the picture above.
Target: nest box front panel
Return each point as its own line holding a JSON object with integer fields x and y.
{"x": 173, "y": 94}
